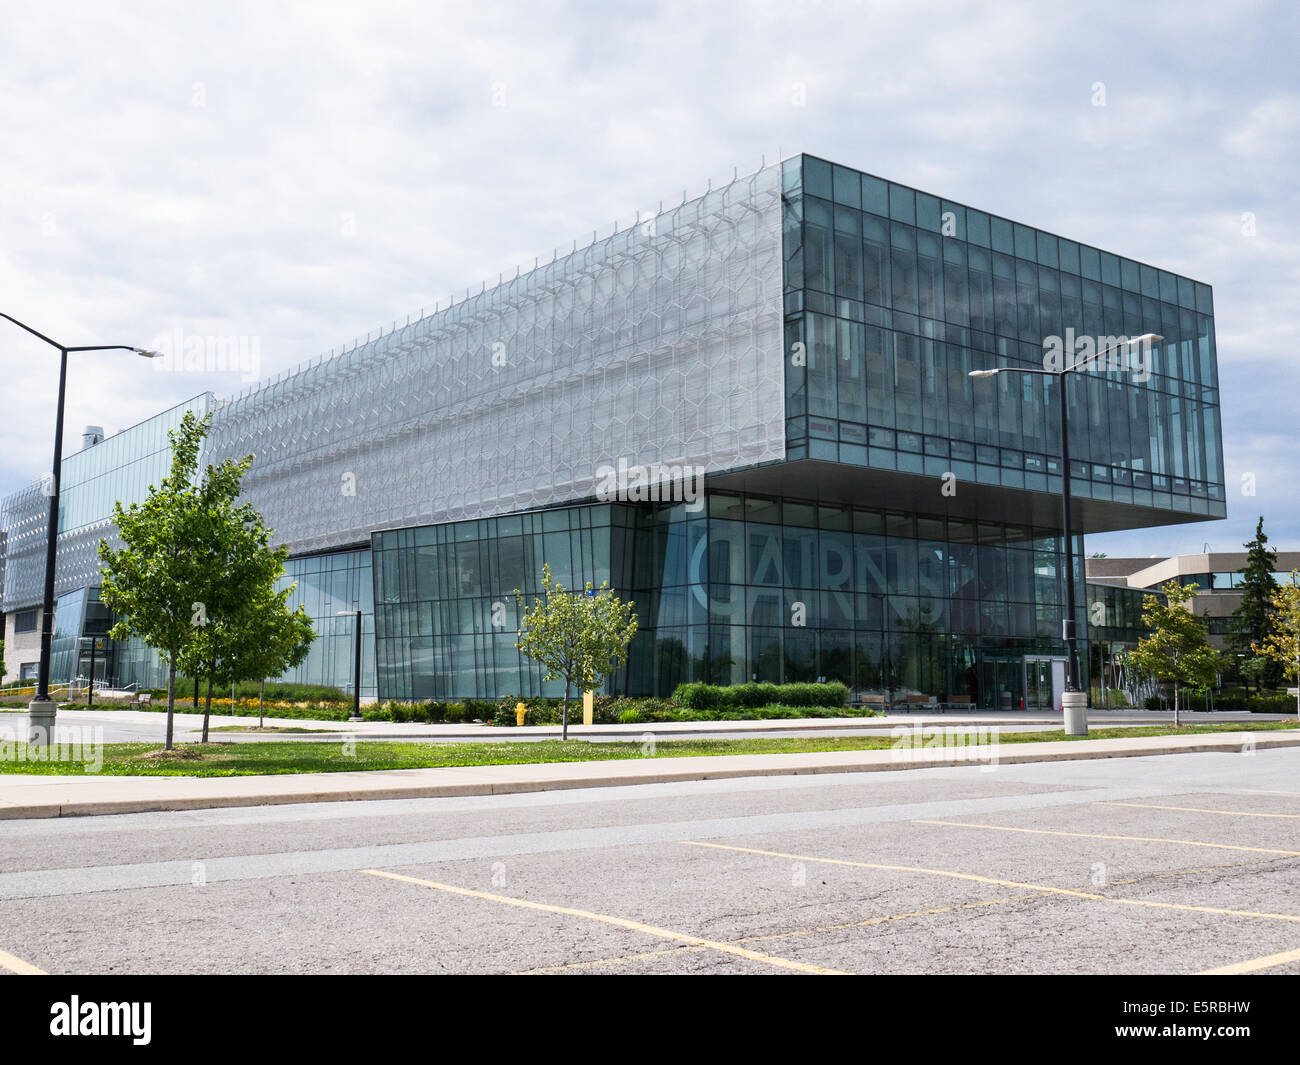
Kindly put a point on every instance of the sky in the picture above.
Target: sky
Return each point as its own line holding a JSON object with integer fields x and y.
{"x": 290, "y": 177}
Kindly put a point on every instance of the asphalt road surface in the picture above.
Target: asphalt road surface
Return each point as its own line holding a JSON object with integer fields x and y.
{"x": 1177, "y": 864}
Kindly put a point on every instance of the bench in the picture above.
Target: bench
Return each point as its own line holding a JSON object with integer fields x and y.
{"x": 144, "y": 699}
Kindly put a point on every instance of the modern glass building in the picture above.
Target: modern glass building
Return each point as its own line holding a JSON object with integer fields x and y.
{"x": 799, "y": 338}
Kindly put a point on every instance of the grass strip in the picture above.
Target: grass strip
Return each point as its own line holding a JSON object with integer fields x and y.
{"x": 271, "y": 757}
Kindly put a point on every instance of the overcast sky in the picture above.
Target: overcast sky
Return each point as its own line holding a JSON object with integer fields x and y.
{"x": 301, "y": 174}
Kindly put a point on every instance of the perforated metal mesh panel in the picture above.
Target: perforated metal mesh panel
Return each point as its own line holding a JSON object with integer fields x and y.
{"x": 659, "y": 344}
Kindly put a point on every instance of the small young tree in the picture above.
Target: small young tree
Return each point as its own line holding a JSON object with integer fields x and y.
{"x": 271, "y": 638}
{"x": 154, "y": 582}
{"x": 1251, "y": 620}
{"x": 1282, "y": 644}
{"x": 195, "y": 569}
{"x": 263, "y": 639}
{"x": 1255, "y": 669}
{"x": 242, "y": 606}
{"x": 1175, "y": 648}
{"x": 578, "y": 638}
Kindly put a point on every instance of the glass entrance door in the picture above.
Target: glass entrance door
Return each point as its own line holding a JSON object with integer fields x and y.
{"x": 1044, "y": 683}
{"x": 1038, "y": 684}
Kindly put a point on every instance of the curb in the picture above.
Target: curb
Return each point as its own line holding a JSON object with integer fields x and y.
{"x": 920, "y": 758}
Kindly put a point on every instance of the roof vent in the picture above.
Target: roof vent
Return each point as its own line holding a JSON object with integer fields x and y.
{"x": 92, "y": 435}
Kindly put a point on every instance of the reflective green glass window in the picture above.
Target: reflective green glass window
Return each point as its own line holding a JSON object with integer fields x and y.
{"x": 875, "y": 261}
{"x": 902, "y": 204}
{"x": 902, "y": 259}
{"x": 875, "y": 195}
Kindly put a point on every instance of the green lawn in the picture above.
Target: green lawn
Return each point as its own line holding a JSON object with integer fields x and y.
{"x": 242, "y": 759}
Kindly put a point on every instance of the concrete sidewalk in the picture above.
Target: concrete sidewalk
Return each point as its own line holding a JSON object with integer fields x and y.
{"x": 144, "y": 725}
{"x": 23, "y": 796}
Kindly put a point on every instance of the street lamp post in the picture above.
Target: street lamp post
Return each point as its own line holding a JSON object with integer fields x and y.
{"x": 42, "y": 709}
{"x": 90, "y": 683}
{"x": 1074, "y": 702}
{"x": 356, "y": 673}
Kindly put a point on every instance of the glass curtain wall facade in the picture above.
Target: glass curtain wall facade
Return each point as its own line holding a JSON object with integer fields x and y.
{"x": 447, "y": 619}
{"x": 332, "y": 587}
{"x": 895, "y": 294}
{"x": 750, "y": 588}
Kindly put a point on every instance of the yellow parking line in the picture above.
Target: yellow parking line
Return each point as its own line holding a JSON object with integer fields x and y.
{"x": 1254, "y": 965}
{"x": 618, "y": 922}
{"x": 1001, "y": 883}
{"x": 1131, "y": 839}
{"x": 17, "y": 965}
{"x": 788, "y": 935}
{"x": 1198, "y": 810}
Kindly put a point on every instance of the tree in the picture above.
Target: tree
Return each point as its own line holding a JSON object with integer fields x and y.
{"x": 578, "y": 638}
{"x": 197, "y": 571}
{"x": 260, "y": 639}
{"x": 1251, "y": 621}
{"x": 272, "y": 638}
{"x": 1176, "y": 648}
{"x": 1255, "y": 669}
{"x": 1282, "y": 644}
{"x": 242, "y": 608}
{"x": 152, "y": 583}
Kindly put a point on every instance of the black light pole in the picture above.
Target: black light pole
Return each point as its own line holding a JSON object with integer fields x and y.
{"x": 42, "y": 709}
{"x": 1075, "y": 701}
{"x": 90, "y": 684}
{"x": 356, "y": 674}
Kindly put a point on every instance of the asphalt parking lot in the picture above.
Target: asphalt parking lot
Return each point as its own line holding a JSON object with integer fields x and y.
{"x": 1175, "y": 864}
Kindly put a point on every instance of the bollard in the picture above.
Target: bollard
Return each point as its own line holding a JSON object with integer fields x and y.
{"x": 40, "y": 722}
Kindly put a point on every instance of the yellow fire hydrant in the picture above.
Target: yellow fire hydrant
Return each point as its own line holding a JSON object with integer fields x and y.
{"x": 520, "y": 710}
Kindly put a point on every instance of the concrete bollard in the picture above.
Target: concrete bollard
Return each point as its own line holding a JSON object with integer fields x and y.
{"x": 40, "y": 722}
{"x": 1075, "y": 707}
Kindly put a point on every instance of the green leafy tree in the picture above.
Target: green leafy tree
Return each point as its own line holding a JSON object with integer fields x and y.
{"x": 240, "y": 582}
{"x": 260, "y": 638}
{"x": 1252, "y": 620}
{"x": 155, "y": 581}
{"x": 1256, "y": 669}
{"x": 578, "y": 638}
{"x": 1282, "y": 644}
{"x": 274, "y": 639}
{"x": 1176, "y": 648}
{"x": 197, "y": 570}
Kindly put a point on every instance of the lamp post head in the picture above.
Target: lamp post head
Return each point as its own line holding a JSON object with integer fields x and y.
{"x": 146, "y": 353}
{"x": 982, "y": 373}
{"x": 1146, "y": 338}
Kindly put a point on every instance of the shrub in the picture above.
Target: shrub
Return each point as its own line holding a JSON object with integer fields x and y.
{"x": 1255, "y": 704}
{"x": 714, "y": 697}
{"x": 479, "y": 709}
{"x": 697, "y": 696}
{"x": 630, "y": 717}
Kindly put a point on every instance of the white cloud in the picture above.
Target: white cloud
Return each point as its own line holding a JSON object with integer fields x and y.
{"x": 305, "y": 174}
